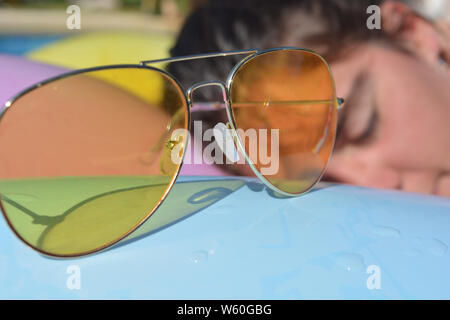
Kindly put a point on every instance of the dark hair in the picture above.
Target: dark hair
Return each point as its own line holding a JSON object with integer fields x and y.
{"x": 326, "y": 26}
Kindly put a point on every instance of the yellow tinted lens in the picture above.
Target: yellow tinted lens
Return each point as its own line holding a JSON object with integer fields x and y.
{"x": 85, "y": 159}
{"x": 288, "y": 97}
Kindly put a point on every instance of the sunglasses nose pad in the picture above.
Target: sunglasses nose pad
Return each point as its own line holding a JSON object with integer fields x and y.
{"x": 225, "y": 141}
{"x": 170, "y": 139}
{"x": 172, "y": 154}
{"x": 171, "y": 144}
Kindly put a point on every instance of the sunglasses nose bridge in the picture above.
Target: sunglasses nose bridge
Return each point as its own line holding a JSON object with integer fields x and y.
{"x": 219, "y": 84}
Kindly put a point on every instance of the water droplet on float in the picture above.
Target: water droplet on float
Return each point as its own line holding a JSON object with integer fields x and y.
{"x": 351, "y": 262}
{"x": 199, "y": 256}
{"x": 386, "y": 232}
{"x": 437, "y": 247}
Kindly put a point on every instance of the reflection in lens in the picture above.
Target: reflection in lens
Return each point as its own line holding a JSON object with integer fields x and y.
{"x": 289, "y": 93}
{"x": 81, "y": 157}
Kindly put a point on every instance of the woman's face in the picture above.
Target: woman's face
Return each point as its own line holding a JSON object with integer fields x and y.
{"x": 394, "y": 130}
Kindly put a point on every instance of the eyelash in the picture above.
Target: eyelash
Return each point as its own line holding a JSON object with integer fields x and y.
{"x": 443, "y": 59}
{"x": 364, "y": 138}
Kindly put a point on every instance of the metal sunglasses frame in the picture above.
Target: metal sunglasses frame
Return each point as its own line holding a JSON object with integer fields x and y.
{"x": 188, "y": 105}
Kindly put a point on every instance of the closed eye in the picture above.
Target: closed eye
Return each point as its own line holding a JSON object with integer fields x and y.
{"x": 368, "y": 132}
{"x": 359, "y": 119}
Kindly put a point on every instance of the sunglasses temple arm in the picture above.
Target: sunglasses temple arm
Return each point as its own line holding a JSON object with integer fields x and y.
{"x": 339, "y": 102}
{"x": 219, "y": 106}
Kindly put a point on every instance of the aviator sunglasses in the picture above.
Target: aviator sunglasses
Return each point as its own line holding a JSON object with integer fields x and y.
{"x": 86, "y": 156}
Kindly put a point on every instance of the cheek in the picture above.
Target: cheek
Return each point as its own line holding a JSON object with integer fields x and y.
{"x": 402, "y": 131}
{"x": 414, "y": 116}
{"x": 362, "y": 166}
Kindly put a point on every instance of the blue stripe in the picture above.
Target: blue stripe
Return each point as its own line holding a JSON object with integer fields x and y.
{"x": 22, "y": 44}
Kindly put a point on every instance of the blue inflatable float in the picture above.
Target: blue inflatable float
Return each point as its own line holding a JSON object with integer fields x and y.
{"x": 233, "y": 240}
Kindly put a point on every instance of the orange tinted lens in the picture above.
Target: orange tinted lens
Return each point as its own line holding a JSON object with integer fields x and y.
{"x": 85, "y": 157}
{"x": 287, "y": 98}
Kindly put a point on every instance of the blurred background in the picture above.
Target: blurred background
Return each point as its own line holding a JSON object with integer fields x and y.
{"x": 38, "y": 16}
{"x": 112, "y": 31}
